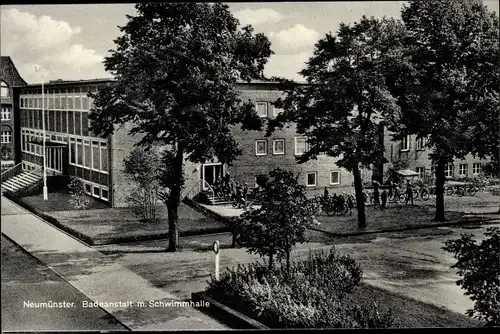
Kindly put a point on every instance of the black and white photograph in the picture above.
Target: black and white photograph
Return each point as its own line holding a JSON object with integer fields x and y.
{"x": 182, "y": 166}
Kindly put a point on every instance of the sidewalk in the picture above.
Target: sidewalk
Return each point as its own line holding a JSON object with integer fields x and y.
{"x": 99, "y": 277}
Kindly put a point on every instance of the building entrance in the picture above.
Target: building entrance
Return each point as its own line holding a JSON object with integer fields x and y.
{"x": 210, "y": 173}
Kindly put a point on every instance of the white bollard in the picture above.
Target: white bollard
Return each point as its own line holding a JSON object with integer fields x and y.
{"x": 215, "y": 248}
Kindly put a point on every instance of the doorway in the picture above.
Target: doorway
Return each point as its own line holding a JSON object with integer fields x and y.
{"x": 210, "y": 173}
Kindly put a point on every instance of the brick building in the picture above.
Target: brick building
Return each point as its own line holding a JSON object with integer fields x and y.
{"x": 71, "y": 149}
{"x": 412, "y": 153}
{"x": 9, "y": 77}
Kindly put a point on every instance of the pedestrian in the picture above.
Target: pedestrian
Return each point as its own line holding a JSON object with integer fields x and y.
{"x": 227, "y": 180}
{"x": 391, "y": 189}
{"x": 335, "y": 203}
{"x": 245, "y": 191}
{"x": 383, "y": 197}
{"x": 409, "y": 192}
{"x": 376, "y": 194}
{"x": 350, "y": 204}
{"x": 325, "y": 193}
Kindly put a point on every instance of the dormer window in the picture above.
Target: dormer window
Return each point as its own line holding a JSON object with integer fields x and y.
{"x": 4, "y": 89}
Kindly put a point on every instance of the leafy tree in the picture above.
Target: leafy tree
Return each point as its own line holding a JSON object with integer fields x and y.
{"x": 77, "y": 196}
{"x": 479, "y": 265}
{"x": 447, "y": 82}
{"x": 281, "y": 221}
{"x": 143, "y": 169}
{"x": 346, "y": 98}
{"x": 176, "y": 67}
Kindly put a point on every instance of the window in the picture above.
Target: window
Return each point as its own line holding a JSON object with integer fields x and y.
{"x": 95, "y": 155}
{"x": 88, "y": 188}
{"x": 462, "y": 170}
{"x": 6, "y": 136}
{"x": 277, "y": 111}
{"x": 448, "y": 172}
{"x": 260, "y": 147}
{"x": 4, "y": 89}
{"x": 311, "y": 179}
{"x": 300, "y": 145}
{"x": 405, "y": 143}
{"x": 79, "y": 152}
{"x": 104, "y": 194}
{"x": 279, "y": 146}
{"x": 421, "y": 171}
{"x": 6, "y": 114}
{"x": 420, "y": 144}
{"x": 72, "y": 152}
{"x": 104, "y": 157}
{"x": 87, "y": 160}
{"x": 476, "y": 168}
{"x": 335, "y": 177}
{"x": 97, "y": 191}
{"x": 262, "y": 109}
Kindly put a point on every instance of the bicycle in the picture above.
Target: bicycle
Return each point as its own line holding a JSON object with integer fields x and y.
{"x": 396, "y": 196}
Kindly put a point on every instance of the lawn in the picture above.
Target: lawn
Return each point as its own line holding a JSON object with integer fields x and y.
{"x": 106, "y": 225}
{"x": 394, "y": 217}
{"x": 413, "y": 313}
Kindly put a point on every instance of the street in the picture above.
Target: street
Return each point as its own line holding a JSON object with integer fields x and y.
{"x": 26, "y": 281}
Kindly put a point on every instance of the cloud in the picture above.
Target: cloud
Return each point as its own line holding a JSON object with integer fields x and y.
{"x": 258, "y": 16}
{"x": 46, "y": 43}
{"x": 294, "y": 39}
{"x": 287, "y": 66}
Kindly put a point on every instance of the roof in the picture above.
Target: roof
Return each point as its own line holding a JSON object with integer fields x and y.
{"x": 9, "y": 73}
{"x": 407, "y": 172}
{"x": 71, "y": 82}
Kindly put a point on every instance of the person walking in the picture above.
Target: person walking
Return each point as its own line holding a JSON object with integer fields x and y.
{"x": 383, "y": 197}
{"x": 376, "y": 194}
{"x": 350, "y": 204}
{"x": 409, "y": 192}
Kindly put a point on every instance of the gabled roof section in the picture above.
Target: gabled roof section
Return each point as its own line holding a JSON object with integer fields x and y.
{"x": 9, "y": 73}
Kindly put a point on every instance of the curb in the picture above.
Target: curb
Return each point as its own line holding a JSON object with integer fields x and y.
{"x": 24, "y": 250}
{"x": 224, "y": 313}
{"x": 408, "y": 228}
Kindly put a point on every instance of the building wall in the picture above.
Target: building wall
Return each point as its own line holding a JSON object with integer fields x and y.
{"x": 250, "y": 164}
{"x": 417, "y": 159}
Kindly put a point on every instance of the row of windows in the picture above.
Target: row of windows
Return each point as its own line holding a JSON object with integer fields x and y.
{"x": 463, "y": 170}
{"x": 96, "y": 190}
{"x": 72, "y": 122}
{"x": 420, "y": 144}
{"x": 89, "y": 154}
{"x": 301, "y": 146}
{"x": 6, "y": 114}
{"x": 57, "y": 101}
{"x": 262, "y": 109}
{"x": 312, "y": 178}
{"x": 6, "y": 136}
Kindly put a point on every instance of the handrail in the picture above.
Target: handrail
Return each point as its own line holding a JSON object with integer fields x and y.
{"x": 185, "y": 193}
{"x": 39, "y": 168}
{"x": 11, "y": 168}
{"x": 210, "y": 188}
{"x": 11, "y": 172}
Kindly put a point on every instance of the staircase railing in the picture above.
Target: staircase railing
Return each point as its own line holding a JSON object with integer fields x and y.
{"x": 11, "y": 172}
{"x": 205, "y": 183}
{"x": 187, "y": 194}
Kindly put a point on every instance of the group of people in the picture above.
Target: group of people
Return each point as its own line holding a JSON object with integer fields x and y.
{"x": 380, "y": 199}
{"x": 226, "y": 188}
{"x": 338, "y": 202}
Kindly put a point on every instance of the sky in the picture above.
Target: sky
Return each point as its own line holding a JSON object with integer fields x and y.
{"x": 70, "y": 41}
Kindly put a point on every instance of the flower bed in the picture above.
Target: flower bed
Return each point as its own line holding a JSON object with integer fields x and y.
{"x": 317, "y": 293}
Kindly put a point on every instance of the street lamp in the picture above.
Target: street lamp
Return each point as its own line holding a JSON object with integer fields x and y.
{"x": 45, "y": 189}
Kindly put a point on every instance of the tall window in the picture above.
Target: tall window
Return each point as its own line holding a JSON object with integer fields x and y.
{"x": 335, "y": 177}
{"x": 405, "y": 143}
{"x": 4, "y": 89}
{"x": 420, "y": 144}
{"x": 462, "y": 170}
{"x": 260, "y": 147}
{"x": 311, "y": 179}
{"x": 448, "y": 172}
{"x": 476, "y": 168}
{"x": 104, "y": 157}
{"x": 6, "y": 136}
{"x": 300, "y": 145}
{"x": 279, "y": 146}
{"x": 262, "y": 109}
{"x": 6, "y": 114}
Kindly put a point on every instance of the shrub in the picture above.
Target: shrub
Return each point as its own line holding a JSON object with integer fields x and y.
{"x": 313, "y": 294}
{"x": 478, "y": 264}
{"x": 78, "y": 199}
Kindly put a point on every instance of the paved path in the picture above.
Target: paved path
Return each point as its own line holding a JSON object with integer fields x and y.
{"x": 26, "y": 280}
{"x": 99, "y": 277}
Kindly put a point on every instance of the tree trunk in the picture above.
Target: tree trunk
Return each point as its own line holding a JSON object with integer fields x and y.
{"x": 174, "y": 200}
{"x": 288, "y": 250}
{"x": 440, "y": 179}
{"x": 270, "y": 261}
{"x": 360, "y": 200}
